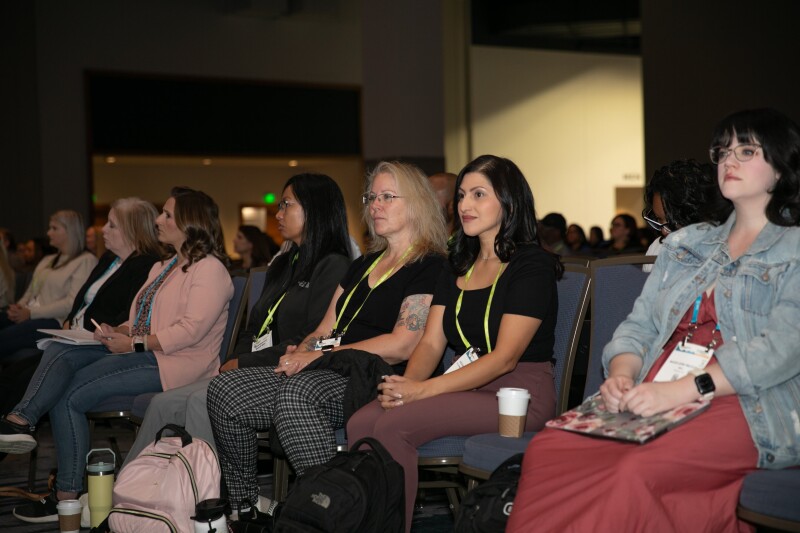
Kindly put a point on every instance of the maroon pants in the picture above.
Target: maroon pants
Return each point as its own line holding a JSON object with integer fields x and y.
{"x": 402, "y": 429}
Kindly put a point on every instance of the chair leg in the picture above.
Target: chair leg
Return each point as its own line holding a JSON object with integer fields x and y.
{"x": 32, "y": 461}
{"x": 471, "y": 483}
{"x": 452, "y": 498}
{"x": 280, "y": 479}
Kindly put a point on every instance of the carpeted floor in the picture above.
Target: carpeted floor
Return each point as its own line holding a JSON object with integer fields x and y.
{"x": 432, "y": 514}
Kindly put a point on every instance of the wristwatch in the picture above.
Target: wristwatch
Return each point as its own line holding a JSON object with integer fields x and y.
{"x": 138, "y": 344}
{"x": 704, "y": 383}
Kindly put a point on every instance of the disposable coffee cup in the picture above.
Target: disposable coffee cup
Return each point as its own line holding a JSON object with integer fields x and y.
{"x": 69, "y": 516}
{"x": 513, "y": 407}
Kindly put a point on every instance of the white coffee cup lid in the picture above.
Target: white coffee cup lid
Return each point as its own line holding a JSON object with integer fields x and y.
{"x": 511, "y": 392}
{"x": 68, "y": 505}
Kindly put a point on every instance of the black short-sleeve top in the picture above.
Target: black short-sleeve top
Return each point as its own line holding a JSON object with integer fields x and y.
{"x": 526, "y": 287}
{"x": 379, "y": 314}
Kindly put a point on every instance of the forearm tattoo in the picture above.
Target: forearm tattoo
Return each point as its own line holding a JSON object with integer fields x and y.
{"x": 312, "y": 342}
{"x": 414, "y": 312}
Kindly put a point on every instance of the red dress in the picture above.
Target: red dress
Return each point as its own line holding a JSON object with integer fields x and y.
{"x": 687, "y": 480}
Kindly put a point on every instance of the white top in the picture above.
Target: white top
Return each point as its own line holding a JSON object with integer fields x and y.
{"x": 52, "y": 291}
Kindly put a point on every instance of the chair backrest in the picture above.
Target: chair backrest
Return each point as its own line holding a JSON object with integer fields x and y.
{"x": 579, "y": 260}
{"x": 255, "y": 286}
{"x": 616, "y": 283}
{"x": 573, "y": 301}
{"x": 236, "y": 309}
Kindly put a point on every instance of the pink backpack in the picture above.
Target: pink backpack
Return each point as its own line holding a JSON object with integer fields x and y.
{"x": 159, "y": 489}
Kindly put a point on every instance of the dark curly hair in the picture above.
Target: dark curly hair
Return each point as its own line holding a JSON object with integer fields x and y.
{"x": 197, "y": 216}
{"x": 779, "y": 138}
{"x": 518, "y": 225}
{"x": 689, "y": 193}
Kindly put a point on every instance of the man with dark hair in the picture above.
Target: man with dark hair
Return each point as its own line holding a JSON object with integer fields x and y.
{"x": 553, "y": 232}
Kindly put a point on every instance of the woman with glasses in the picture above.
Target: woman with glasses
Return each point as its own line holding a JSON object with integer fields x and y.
{"x": 498, "y": 300}
{"x": 375, "y": 319}
{"x": 624, "y": 237}
{"x": 681, "y": 193}
{"x": 734, "y": 289}
{"x": 172, "y": 338}
{"x": 300, "y": 284}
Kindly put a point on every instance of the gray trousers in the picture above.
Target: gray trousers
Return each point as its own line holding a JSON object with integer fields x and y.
{"x": 185, "y": 406}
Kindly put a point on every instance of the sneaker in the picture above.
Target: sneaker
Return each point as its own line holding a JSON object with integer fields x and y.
{"x": 44, "y": 510}
{"x": 259, "y": 519}
{"x": 15, "y": 438}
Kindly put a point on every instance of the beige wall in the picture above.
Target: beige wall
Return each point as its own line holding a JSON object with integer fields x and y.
{"x": 229, "y": 182}
{"x": 572, "y": 122}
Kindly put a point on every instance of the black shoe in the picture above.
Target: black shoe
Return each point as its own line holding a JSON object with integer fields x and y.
{"x": 45, "y": 510}
{"x": 254, "y": 521}
{"x": 15, "y": 438}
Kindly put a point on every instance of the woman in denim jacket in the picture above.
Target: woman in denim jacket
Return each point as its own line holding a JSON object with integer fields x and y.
{"x": 733, "y": 287}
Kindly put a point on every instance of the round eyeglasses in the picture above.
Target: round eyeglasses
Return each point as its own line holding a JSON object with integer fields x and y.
{"x": 283, "y": 204}
{"x": 383, "y": 198}
{"x": 743, "y": 153}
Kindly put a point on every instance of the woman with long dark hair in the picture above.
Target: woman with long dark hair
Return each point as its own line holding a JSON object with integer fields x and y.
{"x": 300, "y": 283}
{"x": 499, "y": 299}
{"x": 172, "y": 338}
{"x": 730, "y": 295}
{"x": 252, "y": 246}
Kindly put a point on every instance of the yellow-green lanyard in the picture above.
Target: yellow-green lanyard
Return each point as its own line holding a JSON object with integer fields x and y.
{"x": 488, "y": 307}
{"x": 274, "y": 308}
{"x": 381, "y": 280}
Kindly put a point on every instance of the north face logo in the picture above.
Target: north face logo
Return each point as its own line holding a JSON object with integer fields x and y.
{"x": 321, "y": 499}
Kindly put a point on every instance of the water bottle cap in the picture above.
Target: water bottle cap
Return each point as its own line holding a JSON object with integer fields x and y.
{"x": 100, "y": 468}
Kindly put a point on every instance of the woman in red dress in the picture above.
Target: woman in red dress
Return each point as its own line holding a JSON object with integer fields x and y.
{"x": 734, "y": 291}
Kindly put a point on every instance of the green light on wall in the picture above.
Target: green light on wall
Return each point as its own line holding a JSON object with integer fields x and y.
{"x": 269, "y": 198}
{"x": 94, "y": 198}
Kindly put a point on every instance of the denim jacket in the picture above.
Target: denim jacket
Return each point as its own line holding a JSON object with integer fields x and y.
{"x": 757, "y": 299}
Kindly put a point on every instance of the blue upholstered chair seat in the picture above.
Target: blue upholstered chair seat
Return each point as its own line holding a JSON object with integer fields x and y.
{"x": 450, "y": 446}
{"x": 114, "y": 403}
{"x": 773, "y": 493}
{"x": 488, "y": 451}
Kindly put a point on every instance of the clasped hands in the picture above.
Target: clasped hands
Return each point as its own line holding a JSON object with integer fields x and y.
{"x": 18, "y": 313}
{"x": 398, "y": 390}
{"x": 646, "y": 399}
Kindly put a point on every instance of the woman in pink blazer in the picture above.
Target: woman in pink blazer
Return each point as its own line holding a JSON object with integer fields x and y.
{"x": 172, "y": 338}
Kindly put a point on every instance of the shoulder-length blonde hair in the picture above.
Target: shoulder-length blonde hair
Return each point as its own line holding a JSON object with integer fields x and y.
{"x": 72, "y": 222}
{"x": 425, "y": 217}
{"x": 137, "y": 222}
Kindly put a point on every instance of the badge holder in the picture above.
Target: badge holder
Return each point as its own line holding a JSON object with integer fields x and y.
{"x": 471, "y": 355}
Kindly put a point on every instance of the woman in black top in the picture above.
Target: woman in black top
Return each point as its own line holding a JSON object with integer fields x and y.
{"x": 379, "y": 311}
{"x": 499, "y": 297}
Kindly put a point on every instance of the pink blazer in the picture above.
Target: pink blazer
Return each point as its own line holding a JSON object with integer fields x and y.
{"x": 190, "y": 311}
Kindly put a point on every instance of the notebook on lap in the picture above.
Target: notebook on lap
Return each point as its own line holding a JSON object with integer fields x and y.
{"x": 592, "y": 418}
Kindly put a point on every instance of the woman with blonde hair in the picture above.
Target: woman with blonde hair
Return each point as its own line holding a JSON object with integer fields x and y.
{"x": 56, "y": 281}
{"x": 374, "y": 320}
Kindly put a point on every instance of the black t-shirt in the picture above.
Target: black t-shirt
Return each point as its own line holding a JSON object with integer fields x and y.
{"x": 526, "y": 287}
{"x": 379, "y": 314}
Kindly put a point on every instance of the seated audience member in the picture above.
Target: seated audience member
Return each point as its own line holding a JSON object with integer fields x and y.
{"x": 300, "y": 284}
{"x": 172, "y": 338}
{"x": 106, "y": 297}
{"x": 496, "y": 264}
{"x": 576, "y": 241}
{"x": 10, "y": 244}
{"x": 6, "y": 280}
{"x": 553, "y": 232}
{"x": 735, "y": 289}
{"x": 624, "y": 237}
{"x": 52, "y": 290}
{"x": 375, "y": 319}
{"x": 596, "y": 237}
{"x": 251, "y": 244}
{"x": 93, "y": 243}
{"x": 681, "y": 193}
{"x": 443, "y": 185}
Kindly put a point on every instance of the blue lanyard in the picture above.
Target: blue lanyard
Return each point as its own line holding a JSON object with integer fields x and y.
{"x": 113, "y": 265}
{"x": 693, "y": 324}
{"x": 150, "y": 288}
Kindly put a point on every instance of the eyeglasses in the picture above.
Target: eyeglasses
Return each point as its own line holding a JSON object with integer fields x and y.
{"x": 743, "y": 152}
{"x": 283, "y": 204}
{"x": 383, "y": 198}
{"x": 650, "y": 218}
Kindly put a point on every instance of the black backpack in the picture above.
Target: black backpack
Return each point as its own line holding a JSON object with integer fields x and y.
{"x": 356, "y": 491}
{"x": 486, "y": 508}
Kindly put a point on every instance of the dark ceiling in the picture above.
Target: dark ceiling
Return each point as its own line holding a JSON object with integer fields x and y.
{"x": 602, "y": 26}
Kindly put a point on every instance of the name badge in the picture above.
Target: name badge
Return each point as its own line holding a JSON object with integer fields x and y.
{"x": 263, "y": 342}
{"x": 466, "y": 358}
{"x": 329, "y": 343}
{"x": 685, "y": 357}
